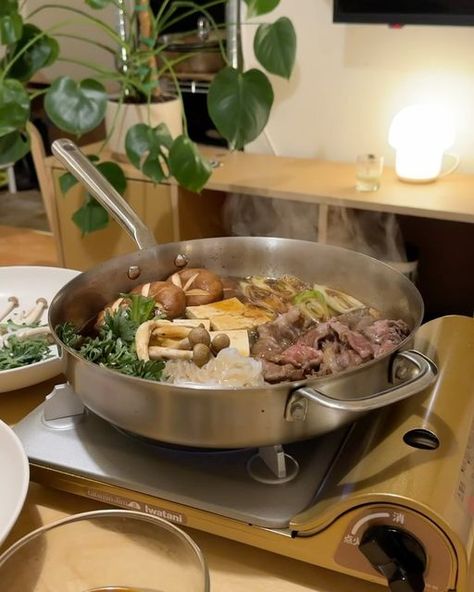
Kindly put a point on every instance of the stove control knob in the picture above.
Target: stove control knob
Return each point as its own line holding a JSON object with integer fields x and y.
{"x": 397, "y": 555}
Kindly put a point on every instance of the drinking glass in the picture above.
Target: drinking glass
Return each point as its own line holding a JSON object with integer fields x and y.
{"x": 369, "y": 169}
{"x": 105, "y": 551}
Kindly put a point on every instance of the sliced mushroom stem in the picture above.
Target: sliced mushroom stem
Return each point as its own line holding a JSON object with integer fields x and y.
{"x": 156, "y": 352}
{"x": 184, "y": 344}
{"x": 36, "y": 312}
{"x": 174, "y": 343}
{"x": 170, "y": 330}
{"x": 12, "y": 303}
{"x": 145, "y": 331}
{"x": 142, "y": 339}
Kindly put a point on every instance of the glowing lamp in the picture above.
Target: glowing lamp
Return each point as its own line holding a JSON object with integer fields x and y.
{"x": 420, "y": 135}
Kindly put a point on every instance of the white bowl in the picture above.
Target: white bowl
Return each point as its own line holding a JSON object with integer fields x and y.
{"x": 15, "y": 478}
{"x": 28, "y": 283}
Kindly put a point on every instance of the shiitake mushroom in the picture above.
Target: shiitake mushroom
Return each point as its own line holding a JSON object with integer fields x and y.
{"x": 170, "y": 299}
{"x": 200, "y": 285}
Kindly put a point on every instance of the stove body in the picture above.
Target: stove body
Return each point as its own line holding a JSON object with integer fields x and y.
{"x": 389, "y": 500}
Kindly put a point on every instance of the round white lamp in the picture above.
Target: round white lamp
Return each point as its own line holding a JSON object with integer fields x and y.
{"x": 420, "y": 135}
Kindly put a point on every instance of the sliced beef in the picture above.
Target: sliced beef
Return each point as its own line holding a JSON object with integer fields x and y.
{"x": 278, "y": 373}
{"x": 338, "y": 357}
{"x": 356, "y": 340}
{"x": 385, "y": 335}
{"x": 292, "y": 348}
{"x": 275, "y": 336}
{"x": 315, "y": 335}
{"x": 300, "y": 355}
{"x": 358, "y": 319}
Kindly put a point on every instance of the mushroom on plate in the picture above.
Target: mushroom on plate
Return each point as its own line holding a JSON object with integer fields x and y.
{"x": 26, "y": 333}
{"x": 12, "y": 303}
{"x": 36, "y": 312}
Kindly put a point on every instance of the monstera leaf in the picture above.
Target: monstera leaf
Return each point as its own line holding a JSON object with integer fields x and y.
{"x": 239, "y": 104}
{"x": 187, "y": 166}
{"x": 76, "y": 107}
{"x": 11, "y": 28}
{"x": 13, "y": 146}
{"x": 275, "y": 47}
{"x": 90, "y": 217}
{"x": 8, "y": 7}
{"x": 14, "y": 106}
{"x": 258, "y": 7}
{"x": 29, "y": 59}
{"x": 147, "y": 148}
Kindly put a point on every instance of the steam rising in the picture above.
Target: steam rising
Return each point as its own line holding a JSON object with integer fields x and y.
{"x": 373, "y": 233}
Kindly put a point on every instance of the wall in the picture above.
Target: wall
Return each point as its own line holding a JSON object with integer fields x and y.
{"x": 350, "y": 80}
{"x": 51, "y": 17}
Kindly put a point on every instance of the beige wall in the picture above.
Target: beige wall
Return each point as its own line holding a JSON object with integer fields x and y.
{"x": 348, "y": 83}
{"x": 350, "y": 80}
{"x": 50, "y": 18}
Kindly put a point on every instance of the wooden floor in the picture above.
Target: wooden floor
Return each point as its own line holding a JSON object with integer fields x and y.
{"x": 24, "y": 246}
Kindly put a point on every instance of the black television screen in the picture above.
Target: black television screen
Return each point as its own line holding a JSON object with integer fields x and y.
{"x": 405, "y": 12}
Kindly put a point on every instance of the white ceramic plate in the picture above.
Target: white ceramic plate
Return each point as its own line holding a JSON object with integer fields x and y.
{"x": 28, "y": 284}
{"x": 15, "y": 477}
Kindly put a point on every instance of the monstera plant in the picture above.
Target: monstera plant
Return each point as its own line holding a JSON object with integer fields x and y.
{"x": 239, "y": 100}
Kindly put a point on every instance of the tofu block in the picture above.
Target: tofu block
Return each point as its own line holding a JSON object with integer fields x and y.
{"x": 229, "y": 314}
{"x": 223, "y": 307}
{"x": 226, "y": 323}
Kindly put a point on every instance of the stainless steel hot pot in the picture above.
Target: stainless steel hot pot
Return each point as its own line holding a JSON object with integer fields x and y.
{"x": 245, "y": 417}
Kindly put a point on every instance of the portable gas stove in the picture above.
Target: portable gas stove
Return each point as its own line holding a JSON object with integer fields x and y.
{"x": 389, "y": 499}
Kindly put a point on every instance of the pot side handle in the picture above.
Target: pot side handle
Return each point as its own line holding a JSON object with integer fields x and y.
{"x": 96, "y": 184}
{"x": 425, "y": 374}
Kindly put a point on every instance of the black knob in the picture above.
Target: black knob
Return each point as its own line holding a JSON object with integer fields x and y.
{"x": 397, "y": 555}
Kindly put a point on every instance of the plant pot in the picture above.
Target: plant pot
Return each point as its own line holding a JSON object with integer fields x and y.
{"x": 206, "y": 61}
{"x": 120, "y": 118}
{"x": 202, "y": 47}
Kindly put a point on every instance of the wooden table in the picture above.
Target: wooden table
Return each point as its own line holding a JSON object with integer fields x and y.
{"x": 323, "y": 182}
{"x": 24, "y": 246}
{"x": 234, "y": 567}
{"x": 434, "y": 218}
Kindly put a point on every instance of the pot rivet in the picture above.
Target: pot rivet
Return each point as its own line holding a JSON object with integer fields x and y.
{"x": 401, "y": 372}
{"x": 181, "y": 260}
{"x": 298, "y": 410}
{"x": 133, "y": 272}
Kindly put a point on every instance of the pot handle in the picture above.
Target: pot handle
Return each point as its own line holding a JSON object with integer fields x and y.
{"x": 425, "y": 374}
{"x": 96, "y": 184}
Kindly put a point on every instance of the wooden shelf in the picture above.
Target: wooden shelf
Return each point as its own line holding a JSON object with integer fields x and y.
{"x": 431, "y": 214}
{"x": 330, "y": 183}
